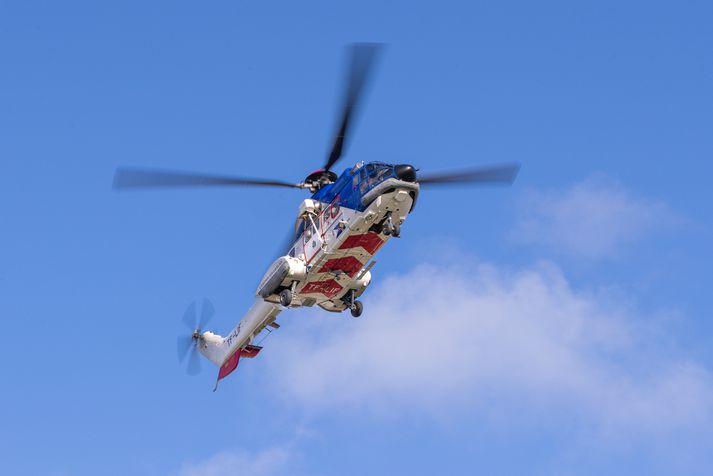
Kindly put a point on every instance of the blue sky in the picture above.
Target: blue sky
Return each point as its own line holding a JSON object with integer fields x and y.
{"x": 561, "y": 326}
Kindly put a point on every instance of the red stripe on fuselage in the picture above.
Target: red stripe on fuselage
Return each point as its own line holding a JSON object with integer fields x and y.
{"x": 349, "y": 265}
{"x": 371, "y": 242}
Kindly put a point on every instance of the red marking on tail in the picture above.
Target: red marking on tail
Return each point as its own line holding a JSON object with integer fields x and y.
{"x": 249, "y": 352}
{"x": 229, "y": 365}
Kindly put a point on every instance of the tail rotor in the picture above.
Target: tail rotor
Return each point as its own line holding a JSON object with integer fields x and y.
{"x": 187, "y": 344}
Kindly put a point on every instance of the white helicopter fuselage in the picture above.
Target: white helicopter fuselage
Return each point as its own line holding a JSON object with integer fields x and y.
{"x": 328, "y": 265}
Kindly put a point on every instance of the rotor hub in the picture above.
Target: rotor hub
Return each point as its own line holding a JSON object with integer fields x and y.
{"x": 319, "y": 179}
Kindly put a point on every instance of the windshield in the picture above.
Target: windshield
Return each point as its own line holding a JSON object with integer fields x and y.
{"x": 375, "y": 173}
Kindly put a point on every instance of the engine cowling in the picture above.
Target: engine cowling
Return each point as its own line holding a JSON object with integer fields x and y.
{"x": 282, "y": 272}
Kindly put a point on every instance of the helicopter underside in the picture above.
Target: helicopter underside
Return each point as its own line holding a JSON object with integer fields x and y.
{"x": 337, "y": 258}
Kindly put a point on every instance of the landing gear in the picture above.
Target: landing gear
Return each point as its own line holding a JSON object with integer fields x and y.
{"x": 356, "y": 307}
{"x": 286, "y": 297}
{"x": 390, "y": 227}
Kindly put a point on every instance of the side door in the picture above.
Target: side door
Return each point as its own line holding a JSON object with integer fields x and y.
{"x": 329, "y": 220}
{"x": 312, "y": 239}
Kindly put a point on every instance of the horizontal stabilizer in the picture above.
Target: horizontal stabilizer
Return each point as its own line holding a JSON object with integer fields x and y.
{"x": 250, "y": 351}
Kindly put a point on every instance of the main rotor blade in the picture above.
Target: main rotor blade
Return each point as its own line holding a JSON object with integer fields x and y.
{"x": 499, "y": 174}
{"x": 362, "y": 58}
{"x": 133, "y": 178}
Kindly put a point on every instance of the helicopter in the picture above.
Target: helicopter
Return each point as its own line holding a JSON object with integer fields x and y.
{"x": 337, "y": 233}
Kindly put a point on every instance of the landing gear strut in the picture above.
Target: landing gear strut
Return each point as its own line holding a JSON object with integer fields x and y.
{"x": 391, "y": 227}
{"x": 356, "y": 307}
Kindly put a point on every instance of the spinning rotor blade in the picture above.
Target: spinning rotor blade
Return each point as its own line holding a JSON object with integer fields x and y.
{"x": 184, "y": 345}
{"x": 133, "y": 178}
{"x": 189, "y": 317}
{"x": 362, "y": 60}
{"x": 499, "y": 174}
{"x": 287, "y": 243}
{"x": 194, "y": 363}
{"x": 207, "y": 313}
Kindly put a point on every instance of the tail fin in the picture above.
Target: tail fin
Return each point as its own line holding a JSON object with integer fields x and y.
{"x": 249, "y": 352}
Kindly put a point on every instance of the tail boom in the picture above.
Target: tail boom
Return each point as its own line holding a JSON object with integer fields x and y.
{"x": 225, "y": 352}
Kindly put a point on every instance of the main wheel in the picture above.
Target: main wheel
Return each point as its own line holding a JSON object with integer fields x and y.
{"x": 388, "y": 228}
{"x": 286, "y": 297}
{"x": 396, "y": 230}
{"x": 357, "y": 309}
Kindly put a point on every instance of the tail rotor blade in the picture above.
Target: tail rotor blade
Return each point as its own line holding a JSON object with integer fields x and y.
{"x": 194, "y": 362}
{"x": 183, "y": 346}
{"x": 187, "y": 345}
{"x": 190, "y": 318}
{"x": 207, "y": 312}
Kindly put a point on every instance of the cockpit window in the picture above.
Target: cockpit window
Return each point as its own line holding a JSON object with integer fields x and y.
{"x": 381, "y": 174}
{"x": 373, "y": 174}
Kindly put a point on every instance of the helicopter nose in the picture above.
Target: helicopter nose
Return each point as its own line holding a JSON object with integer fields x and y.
{"x": 405, "y": 172}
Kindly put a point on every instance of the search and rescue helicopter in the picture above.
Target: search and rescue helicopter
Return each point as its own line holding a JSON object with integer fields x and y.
{"x": 338, "y": 231}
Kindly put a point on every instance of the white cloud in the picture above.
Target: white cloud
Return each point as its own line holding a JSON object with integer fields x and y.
{"x": 473, "y": 340}
{"x": 228, "y": 463}
{"x": 591, "y": 219}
